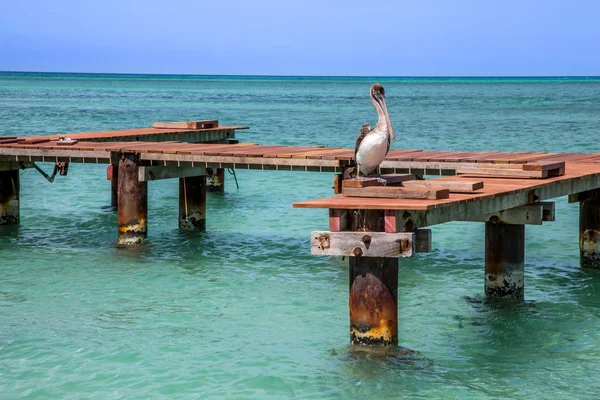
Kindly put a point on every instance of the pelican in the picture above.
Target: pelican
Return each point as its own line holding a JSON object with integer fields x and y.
{"x": 372, "y": 145}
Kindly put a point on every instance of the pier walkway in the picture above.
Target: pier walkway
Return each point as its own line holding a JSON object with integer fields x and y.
{"x": 372, "y": 224}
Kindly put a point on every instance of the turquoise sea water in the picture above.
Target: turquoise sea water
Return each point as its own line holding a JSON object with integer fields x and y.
{"x": 243, "y": 310}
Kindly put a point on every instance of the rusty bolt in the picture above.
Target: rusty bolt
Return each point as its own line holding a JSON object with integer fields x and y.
{"x": 357, "y": 251}
{"x": 366, "y": 240}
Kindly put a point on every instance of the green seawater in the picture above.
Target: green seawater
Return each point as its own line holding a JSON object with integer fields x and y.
{"x": 243, "y": 311}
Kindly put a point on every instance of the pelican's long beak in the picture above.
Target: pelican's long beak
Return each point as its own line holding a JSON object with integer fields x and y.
{"x": 387, "y": 119}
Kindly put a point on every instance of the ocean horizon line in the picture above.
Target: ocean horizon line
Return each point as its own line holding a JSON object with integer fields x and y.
{"x": 267, "y": 76}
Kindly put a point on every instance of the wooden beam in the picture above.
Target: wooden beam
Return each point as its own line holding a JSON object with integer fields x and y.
{"x": 504, "y": 172}
{"x": 529, "y": 214}
{"x": 423, "y": 241}
{"x": 393, "y": 192}
{"x": 150, "y": 173}
{"x": 458, "y": 186}
{"x": 391, "y": 179}
{"x": 548, "y": 211}
{"x": 363, "y": 244}
{"x": 203, "y": 124}
{"x": 543, "y": 166}
{"x": 339, "y": 220}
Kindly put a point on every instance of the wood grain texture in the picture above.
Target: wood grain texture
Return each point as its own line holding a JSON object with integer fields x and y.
{"x": 363, "y": 244}
{"x": 391, "y": 192}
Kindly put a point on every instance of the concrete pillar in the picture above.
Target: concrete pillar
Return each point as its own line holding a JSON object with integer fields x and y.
{"x": 9, "y": 197}
{"x": 215, "y": 179}
{"x": 373, "y": 289}
{"x": 504, "y": 261}
{"x": 132, "y": 202}
{"x": 192, "y": 203}
{"x": 589, "y": 230}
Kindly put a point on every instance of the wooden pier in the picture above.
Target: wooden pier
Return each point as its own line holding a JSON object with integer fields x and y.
{"x": 373, "y": 225}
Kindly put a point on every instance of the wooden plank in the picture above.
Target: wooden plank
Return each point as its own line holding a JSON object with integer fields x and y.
{"x": 202, "y": 124}
{"x": 67, "y": 142}
{"x": 154, "y": 173}
{"x": 364, "y": 244}
{"x": 12, "y": 140}
{"x": 391, "y": 192}
{"x": 390, "y": 179}
{"x": 453, "y": 186}
{"x": 504, "y": 172}
{"x": 543, "y": 166}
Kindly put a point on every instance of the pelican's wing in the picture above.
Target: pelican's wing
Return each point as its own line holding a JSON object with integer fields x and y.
{"x": 389, "y": 142}
{"x": 361, "y": 135}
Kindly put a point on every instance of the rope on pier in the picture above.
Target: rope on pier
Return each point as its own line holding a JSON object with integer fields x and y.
{"x": 232, "y": 172}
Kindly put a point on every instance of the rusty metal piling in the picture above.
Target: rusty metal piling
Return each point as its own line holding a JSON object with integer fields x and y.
{"x": 9, "y": 197}
{"x": 132, "y": 202}
{"x": 373, "y": 282}
{"x": 192, "y": 203}
{"x": 589, "y": 229}
{"x": 504, "y": 261}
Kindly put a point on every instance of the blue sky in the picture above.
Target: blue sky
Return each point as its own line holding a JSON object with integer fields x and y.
{"x": 369, "y": 37}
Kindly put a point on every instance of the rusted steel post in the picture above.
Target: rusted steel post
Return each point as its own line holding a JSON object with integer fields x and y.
{"x": 589, "y": 229}
{"x": 114, "y": 184}
{"x": 9, "y": 197}
{"x": 132, "y": 202}
{"x": 216, "y": 179}
{"x": 373, "y": 289}
{"x": 504, "y": 261}
{"x": 192, "y": 203}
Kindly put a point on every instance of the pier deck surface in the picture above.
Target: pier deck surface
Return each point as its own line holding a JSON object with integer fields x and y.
{"x": 582, "y": 170}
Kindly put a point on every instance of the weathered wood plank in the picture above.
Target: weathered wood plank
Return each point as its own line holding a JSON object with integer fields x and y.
{"x": 504, "y": 172}
{"x": 529, "y": 214}
{"x": 543, "y": 165}
{"x": 392, "y": 192}
{"x": 202, "y": 124}
{"x": 363, "y": 244}
{"x": 390, "y": 179}
{"x": 154, "y": 173}
{"x": 453, "y": 186}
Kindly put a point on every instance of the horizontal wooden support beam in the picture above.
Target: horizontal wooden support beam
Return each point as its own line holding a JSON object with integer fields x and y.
{"x": 203, "y": 124}
{"x": 146, "y": 173}
{"x": 364, "y": 244}
{"x": 394, "y": 192}
{"x": 529, "y": 214}
{"x": 12, "y": 165}
{"x": 458, "y": 186}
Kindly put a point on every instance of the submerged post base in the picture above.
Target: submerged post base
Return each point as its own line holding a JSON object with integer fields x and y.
{"x": 589, "y": 230}
{"x": 373, "y": 301}
{"x": 504, "y": 261}
{"x": 132, "y": 202}
{"x": 192, "y": 203}
{"x": 9, "y": 197}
